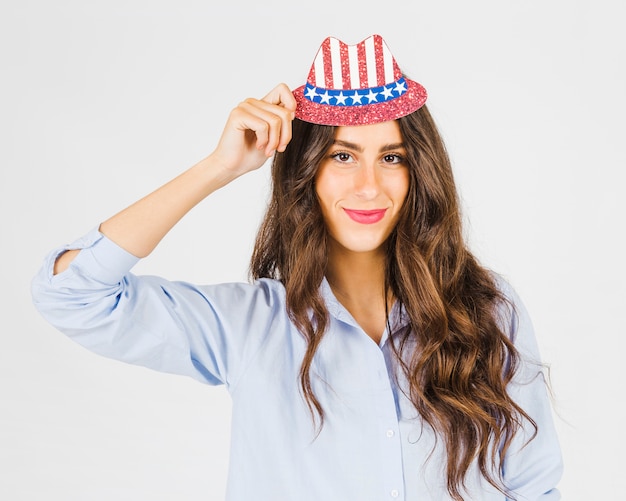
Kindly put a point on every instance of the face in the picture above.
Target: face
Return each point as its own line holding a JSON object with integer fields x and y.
{"x": 361, "y": 185}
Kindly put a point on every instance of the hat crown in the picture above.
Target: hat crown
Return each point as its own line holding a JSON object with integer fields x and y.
{"x": 366, "y": 64}
{"x": 356, "y": 85}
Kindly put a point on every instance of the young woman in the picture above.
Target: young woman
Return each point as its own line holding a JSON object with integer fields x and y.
{"x": 372, "y": 357}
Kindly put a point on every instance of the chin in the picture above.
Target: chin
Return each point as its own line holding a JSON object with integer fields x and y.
{"x": 362, "y": 245}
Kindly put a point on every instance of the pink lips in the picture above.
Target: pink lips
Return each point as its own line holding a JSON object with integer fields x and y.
{"x": 366, "y": 216}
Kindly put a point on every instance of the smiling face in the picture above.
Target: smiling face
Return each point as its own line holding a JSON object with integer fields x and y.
{"x": 361, "y": 185}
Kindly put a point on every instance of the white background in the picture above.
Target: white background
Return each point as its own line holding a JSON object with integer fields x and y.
{"x": 101, "y": 102}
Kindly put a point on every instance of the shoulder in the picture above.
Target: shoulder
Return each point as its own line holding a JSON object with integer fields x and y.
{"x": 263, "y": 300}
{"x": 505, "y": 287}
{"x": 264, "y": 289}
{"x": 510, "y": 307}
{"x": 516, "y": 323}
{"x": 232, "y": 298}
{"x": 512, "y": 312}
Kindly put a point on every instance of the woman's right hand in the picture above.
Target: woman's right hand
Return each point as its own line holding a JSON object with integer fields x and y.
{"x": 255, "y": 129}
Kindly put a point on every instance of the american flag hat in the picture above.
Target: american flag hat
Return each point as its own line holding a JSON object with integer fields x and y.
{"x": 356, "y": 85}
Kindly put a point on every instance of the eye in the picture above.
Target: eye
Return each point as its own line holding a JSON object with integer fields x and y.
{"x": 393, "y": 158}
{"x": 341, "y": 157}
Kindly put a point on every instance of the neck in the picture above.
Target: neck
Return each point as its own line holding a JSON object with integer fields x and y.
{"x": 356, "y": 273}
{"x": 358, "y": 282}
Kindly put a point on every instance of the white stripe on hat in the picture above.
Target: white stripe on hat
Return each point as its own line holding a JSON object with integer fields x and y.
{"x": 370, "y": 62}
{"x": 335, "y": 57}
{"x": 353, "y": 58}
{"x": 320, "y": 78}
{"x": 388, "y": 64}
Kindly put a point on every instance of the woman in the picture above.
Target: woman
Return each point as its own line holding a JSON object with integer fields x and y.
{"x": 373, "y": 357}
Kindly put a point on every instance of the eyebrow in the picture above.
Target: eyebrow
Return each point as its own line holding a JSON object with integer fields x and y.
{"x": 356, "y": 147}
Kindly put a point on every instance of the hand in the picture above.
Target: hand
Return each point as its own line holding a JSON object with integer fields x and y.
{"x": 255, "y": 130}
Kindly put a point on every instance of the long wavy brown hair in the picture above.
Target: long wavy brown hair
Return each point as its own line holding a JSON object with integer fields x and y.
{"x": 455, "y": 357}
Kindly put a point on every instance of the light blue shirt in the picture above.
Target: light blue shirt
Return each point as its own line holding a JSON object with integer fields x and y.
{"x": 372, "y": 446}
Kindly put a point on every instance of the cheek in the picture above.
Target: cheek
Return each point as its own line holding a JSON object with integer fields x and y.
{"x": 400, "y": 186}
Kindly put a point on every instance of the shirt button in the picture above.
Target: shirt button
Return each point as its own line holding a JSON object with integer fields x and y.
{"x": 394, "y": 493}
{"x": 390, "y": 434}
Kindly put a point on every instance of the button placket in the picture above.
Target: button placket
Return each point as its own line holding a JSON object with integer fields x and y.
{"x": 389, "y": 435}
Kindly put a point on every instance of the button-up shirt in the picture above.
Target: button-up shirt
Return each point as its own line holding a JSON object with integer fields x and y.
{"x": 373, "y": 444}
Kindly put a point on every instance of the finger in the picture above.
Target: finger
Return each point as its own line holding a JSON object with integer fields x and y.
{"x": 277, "y": 109}
{"x": 287, "y": 103}
{"x": 246, "y": 122}
{"x": 285, "y": 135}
{"x": 281, "y": 95}
{"x": 283, "y": 130}
{"x": 265, "y": 123}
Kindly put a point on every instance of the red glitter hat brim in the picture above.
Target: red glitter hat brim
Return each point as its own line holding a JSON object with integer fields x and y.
{"x": 326, "y": 114}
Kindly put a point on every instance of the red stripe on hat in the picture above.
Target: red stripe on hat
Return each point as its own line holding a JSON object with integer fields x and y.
{"x": 328, "y": 65}
{"x": 397, "y": 73}
{"x": 380, "y": 62}
{"x": 345, "y": 65}
{"x": 362, "y": 65}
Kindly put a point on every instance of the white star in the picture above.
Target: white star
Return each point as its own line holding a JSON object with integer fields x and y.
{"x": 310, "y": 93}
{"x": 387, "y": 92}
{"x": 341, "y": 99}
{"x": 400, "y": 88}
{"x": 372, "y": 96}
{"x": 325, "y": 97}
{"x": 356, "y": 99}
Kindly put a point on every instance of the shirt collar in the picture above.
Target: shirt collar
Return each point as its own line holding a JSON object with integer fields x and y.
{"x": 397, "y": 316}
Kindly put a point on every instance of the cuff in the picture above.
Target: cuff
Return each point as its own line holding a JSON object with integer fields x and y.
{"x": 101, "y": 258}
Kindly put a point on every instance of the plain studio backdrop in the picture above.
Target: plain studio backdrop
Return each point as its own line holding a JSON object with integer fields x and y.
{"x": 102, "y": 102}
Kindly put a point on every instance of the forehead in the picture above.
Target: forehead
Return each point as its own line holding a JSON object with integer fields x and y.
{"x": 372, "y": 134}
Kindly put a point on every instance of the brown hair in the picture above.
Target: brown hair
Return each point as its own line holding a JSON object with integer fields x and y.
{"x": 456, "y": 359}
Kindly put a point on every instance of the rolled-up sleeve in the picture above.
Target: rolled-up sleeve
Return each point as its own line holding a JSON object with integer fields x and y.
{"x": 205, "y": 332}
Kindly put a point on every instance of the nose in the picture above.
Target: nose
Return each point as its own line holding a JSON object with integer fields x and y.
{"x": 366, "y": 182}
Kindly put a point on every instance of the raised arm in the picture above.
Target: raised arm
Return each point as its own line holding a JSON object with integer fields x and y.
{"x": 255, "y": 129}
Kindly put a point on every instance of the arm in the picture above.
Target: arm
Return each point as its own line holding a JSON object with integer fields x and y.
{"x": 89, "y": 294}
{"x": 206, "y": 332}
{"x": 254, "y": 130}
